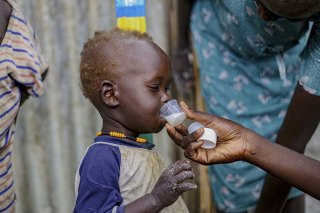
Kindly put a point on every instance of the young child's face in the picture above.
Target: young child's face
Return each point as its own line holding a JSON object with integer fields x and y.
{"x": 273, "y": 9}
{"x": 142, "y": 86}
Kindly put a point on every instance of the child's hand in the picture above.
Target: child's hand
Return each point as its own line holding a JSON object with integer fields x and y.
{"x": 173, "y": 182}
{"x": 231, "y": 143}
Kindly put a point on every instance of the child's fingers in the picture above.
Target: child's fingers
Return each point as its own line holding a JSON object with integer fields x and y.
{"x": 183, "y": 176}
{"x": 179, "y": 166}
{"x": 183, "y": 187}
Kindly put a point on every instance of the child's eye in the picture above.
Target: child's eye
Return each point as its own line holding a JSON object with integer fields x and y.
{"x": 155, "y": 88}
{"x": 167, "y": 88}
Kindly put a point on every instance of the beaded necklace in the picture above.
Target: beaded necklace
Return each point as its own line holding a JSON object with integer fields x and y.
{"x": 122, "y": 135}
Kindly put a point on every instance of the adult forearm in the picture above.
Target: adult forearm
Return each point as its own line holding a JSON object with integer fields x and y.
{"x": 300, "y": 123}
{"x": 296, "y": 169}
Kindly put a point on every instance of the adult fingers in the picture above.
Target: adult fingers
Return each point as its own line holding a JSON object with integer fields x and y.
{"x": 218, "y": 124}
{"x": 201, "y": 117}
{"x": 195, "y": 153}
{"x": 176, "y": 136}
{"x": 182, "y": 129}
{"x": 192, "y": 148}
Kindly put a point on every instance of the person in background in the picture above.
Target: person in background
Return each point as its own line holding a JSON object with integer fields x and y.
{"x": 259, "y": 65}
{"x": 236, "y": 142}
{"x": 126, "y": 76}
{"x": 22, "y": 70}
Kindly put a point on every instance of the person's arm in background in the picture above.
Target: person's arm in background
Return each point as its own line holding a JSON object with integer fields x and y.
{"x": 299, "y": 125}
{"x": 302, "y": 118}
{"x": 5, "y": 13}
{"x": 181, "y": 46}
{"x": 24, "y": 94}
{"x": 238, "y": 143}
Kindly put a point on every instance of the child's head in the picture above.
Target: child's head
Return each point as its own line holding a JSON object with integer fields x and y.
{"x": 291, "y": 9}
{"x": 126, "y": 76}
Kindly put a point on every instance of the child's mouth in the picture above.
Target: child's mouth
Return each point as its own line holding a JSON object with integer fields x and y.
{"x": 163, "y": 121}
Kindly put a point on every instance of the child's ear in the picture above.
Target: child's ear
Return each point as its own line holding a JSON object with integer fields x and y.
{"x": 107, "y": 93}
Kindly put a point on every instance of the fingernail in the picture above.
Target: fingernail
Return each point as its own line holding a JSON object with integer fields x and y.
{"x": 184, "y": 104}
{"x": 198, "y": 131}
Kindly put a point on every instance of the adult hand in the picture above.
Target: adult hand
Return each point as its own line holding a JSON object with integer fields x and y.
{"x": 173, "y": 182}
{"x": 232, "y": 139}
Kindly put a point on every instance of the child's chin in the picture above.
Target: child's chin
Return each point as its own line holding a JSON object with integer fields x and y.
{"x": 161, "y": 126}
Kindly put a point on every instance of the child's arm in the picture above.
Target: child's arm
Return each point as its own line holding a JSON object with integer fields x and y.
{"x": 99, "y": 188}
{"x": 238, "y": 143}
{"x": 171, "y": 184}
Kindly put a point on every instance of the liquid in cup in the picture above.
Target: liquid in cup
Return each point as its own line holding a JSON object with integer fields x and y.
{"x": 176, "y": 118}
{"x": 172, "y": 113}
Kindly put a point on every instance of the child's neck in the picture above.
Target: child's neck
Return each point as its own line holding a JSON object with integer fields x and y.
{"x": 116, "y": 127}
{"x": 122, "y": 136}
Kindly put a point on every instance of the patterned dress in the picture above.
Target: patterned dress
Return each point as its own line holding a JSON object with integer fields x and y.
{"x": 248, "y": 71}
{"x": 21, "y": 65}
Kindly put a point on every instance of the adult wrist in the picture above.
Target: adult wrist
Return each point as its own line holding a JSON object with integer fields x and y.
{"x": 250, "y": 147}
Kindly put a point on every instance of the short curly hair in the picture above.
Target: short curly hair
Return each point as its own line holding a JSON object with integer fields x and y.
{"x": 101, "y": 56}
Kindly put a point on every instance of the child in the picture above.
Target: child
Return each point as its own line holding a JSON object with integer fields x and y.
{"x": 126, "y": 77}
{"x": 22, "y": 70}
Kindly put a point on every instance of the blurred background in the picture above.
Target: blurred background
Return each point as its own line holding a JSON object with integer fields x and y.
{"x": 53, "y": 131}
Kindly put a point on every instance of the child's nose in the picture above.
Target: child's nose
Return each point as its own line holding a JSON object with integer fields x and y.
{"x": 165, "y": 97}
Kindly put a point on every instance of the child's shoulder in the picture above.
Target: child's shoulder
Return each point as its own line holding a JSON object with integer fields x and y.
{"x": 102, "y": 149}
{"x": 119, "y": 142}
{"x": 101, "y": 155}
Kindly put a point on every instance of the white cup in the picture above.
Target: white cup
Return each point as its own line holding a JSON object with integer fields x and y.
{"x": 209, "y": 136}
{"x": 172, "y": 113}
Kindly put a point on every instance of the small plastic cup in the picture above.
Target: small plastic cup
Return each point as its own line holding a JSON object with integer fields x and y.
{"x": 209, "y": 136}
{"x": 172, "y": 113}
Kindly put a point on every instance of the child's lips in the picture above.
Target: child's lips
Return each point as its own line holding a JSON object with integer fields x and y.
{"x": 163, "y": 121}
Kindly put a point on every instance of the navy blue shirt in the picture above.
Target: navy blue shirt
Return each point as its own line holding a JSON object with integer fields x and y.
{"x": 99, "y": 173}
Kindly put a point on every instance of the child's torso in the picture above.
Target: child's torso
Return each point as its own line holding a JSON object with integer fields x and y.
{"x": 139, "y": 171}
{"x": 142, "y": 166}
